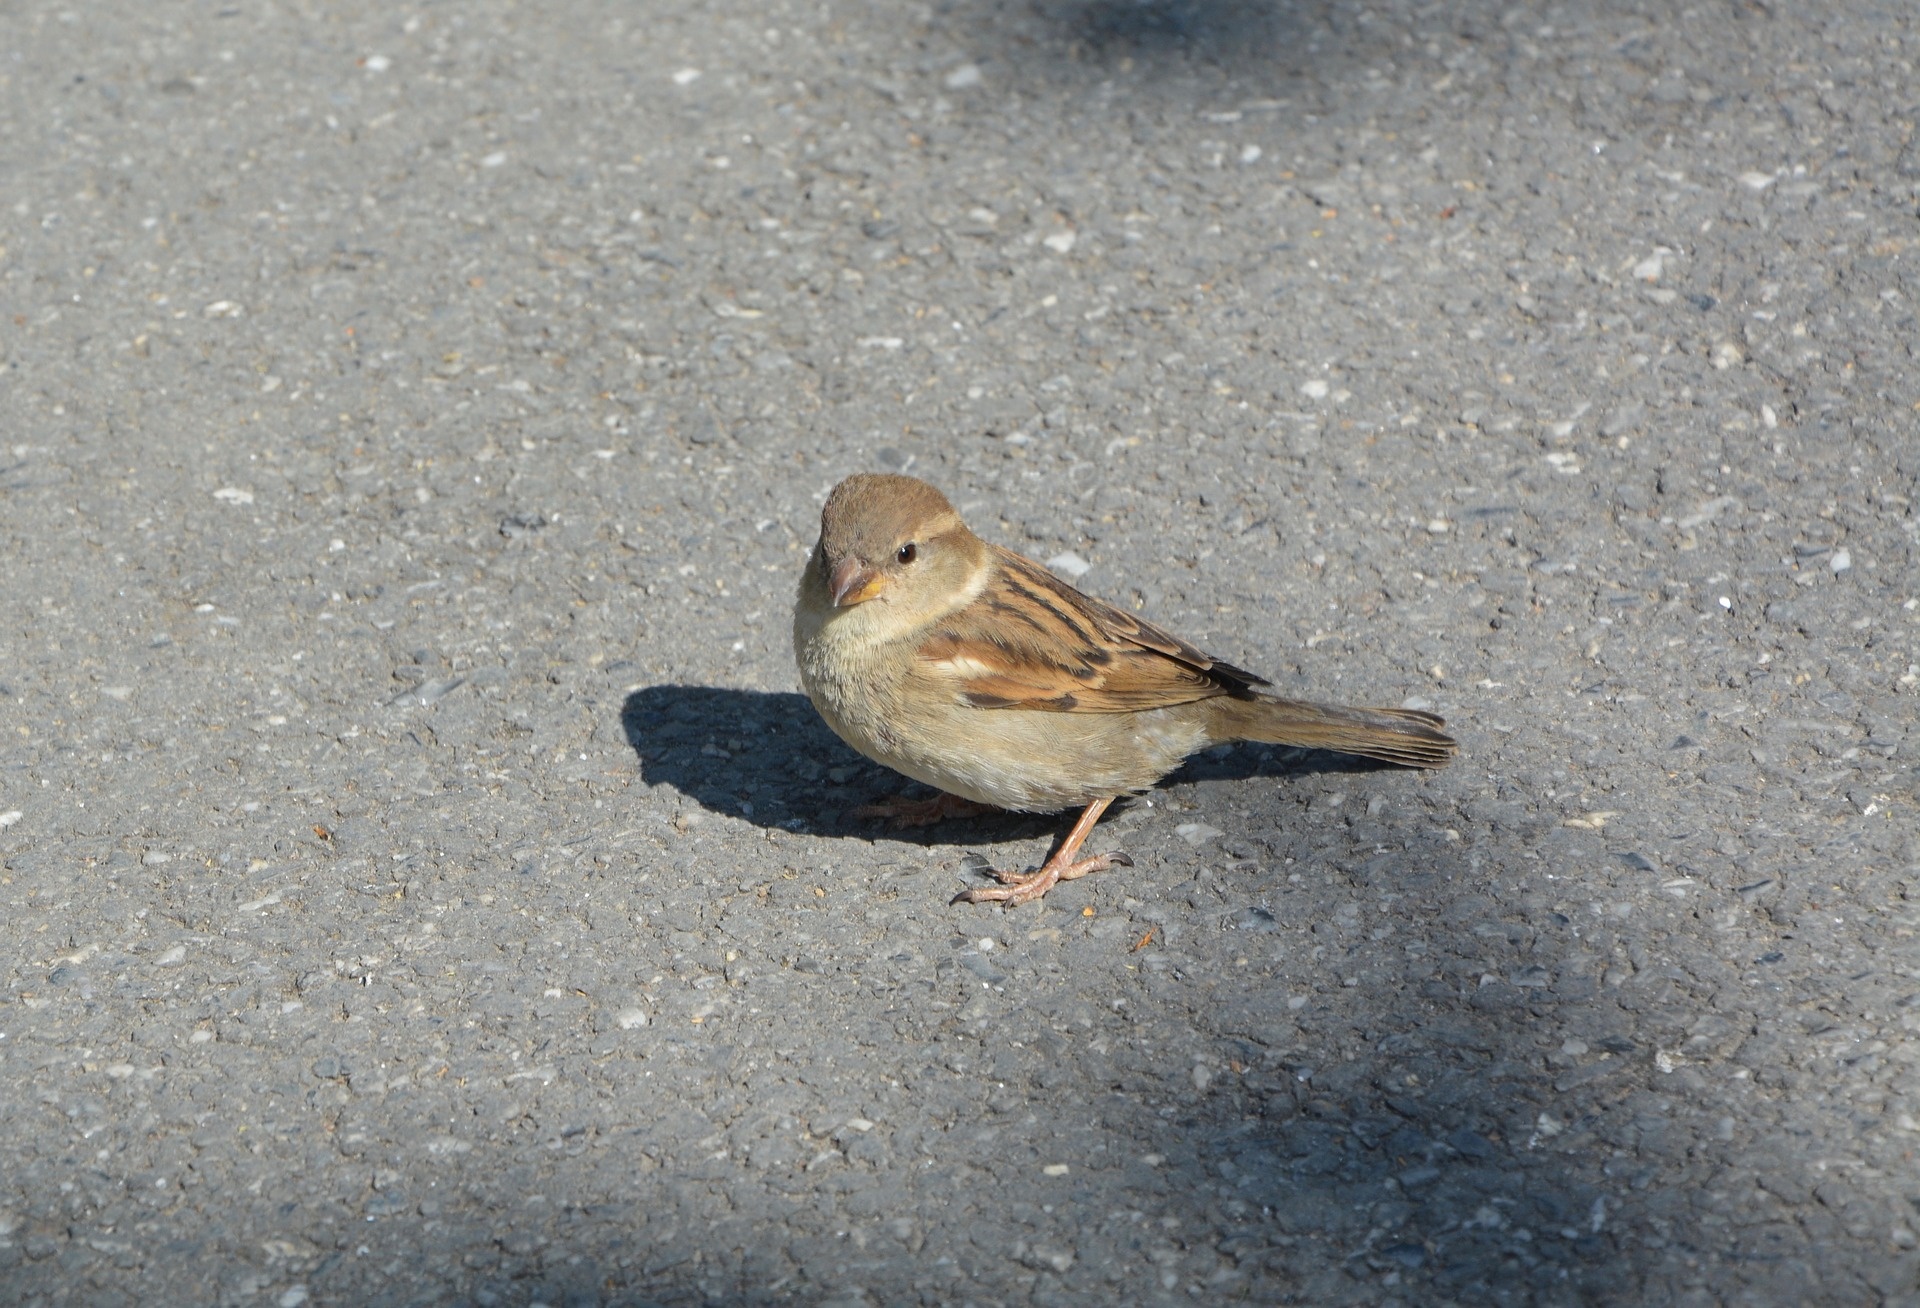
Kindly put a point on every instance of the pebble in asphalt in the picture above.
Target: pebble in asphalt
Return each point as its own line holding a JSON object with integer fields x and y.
{"x": 421, "y": 882}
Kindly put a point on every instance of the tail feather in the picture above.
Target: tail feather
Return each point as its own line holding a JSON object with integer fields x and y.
{"x": 1406, "y": 737}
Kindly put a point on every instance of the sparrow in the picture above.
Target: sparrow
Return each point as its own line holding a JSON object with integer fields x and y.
{"x": 978, "y": 672}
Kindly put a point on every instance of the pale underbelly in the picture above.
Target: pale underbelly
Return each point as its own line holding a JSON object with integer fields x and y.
{"x": 1014, "y": 758}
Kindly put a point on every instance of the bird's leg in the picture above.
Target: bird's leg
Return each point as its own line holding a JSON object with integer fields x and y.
{"x": 1021, "y": 887}
{"x": 923, "y": 812}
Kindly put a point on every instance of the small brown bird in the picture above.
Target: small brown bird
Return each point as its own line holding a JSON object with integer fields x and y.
{"x": 980, "y": 673}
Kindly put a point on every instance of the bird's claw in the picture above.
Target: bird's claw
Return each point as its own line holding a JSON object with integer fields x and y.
{"x": 1023, "y": 887}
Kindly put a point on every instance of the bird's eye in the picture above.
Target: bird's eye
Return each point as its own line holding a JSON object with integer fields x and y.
{"x": 907, "y": 553}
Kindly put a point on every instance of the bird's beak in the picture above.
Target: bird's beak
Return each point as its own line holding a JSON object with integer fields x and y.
{"x": 853, "y": 582}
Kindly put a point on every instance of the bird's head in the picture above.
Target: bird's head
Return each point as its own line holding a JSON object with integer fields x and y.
{"x": 896, "y": 540}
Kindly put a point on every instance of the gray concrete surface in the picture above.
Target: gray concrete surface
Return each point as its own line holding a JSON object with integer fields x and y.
{"x": 422, "y": 884}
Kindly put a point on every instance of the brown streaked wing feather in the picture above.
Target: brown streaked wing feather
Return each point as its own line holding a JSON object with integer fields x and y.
{"x": 1031, "y": 641}
{"x": 1123, "y": 628}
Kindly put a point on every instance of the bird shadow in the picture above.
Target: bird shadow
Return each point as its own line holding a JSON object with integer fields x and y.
{"x": 767, "y": 758}
{"x": 1218, "y": 31}
{"x": 1273, "y": 43}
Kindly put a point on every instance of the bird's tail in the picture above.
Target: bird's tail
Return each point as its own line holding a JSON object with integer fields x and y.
{"x": 1404, "y": 736}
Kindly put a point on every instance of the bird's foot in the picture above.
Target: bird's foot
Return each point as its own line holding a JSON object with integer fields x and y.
{"x": 1024, "y": 887}
{"x": 904, "y": 812}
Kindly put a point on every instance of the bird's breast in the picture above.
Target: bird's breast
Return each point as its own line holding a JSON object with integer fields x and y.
{"x": 853, "y": 684}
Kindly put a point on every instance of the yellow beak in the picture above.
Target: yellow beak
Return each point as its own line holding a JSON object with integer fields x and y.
{"x": 853, "y": 582}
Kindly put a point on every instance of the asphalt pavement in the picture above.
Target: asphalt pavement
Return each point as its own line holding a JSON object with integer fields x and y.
{"x": 421, "y": 881}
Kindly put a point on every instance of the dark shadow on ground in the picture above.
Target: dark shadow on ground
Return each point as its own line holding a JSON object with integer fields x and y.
{"x": 1268, "y": 43}
{"x": 1214, "y": 30}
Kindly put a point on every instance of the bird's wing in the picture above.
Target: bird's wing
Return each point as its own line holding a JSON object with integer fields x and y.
{"x": 1031, "y": 641}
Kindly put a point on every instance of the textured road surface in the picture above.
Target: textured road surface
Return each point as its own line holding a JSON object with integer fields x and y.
{"x": 421, "y": 883}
